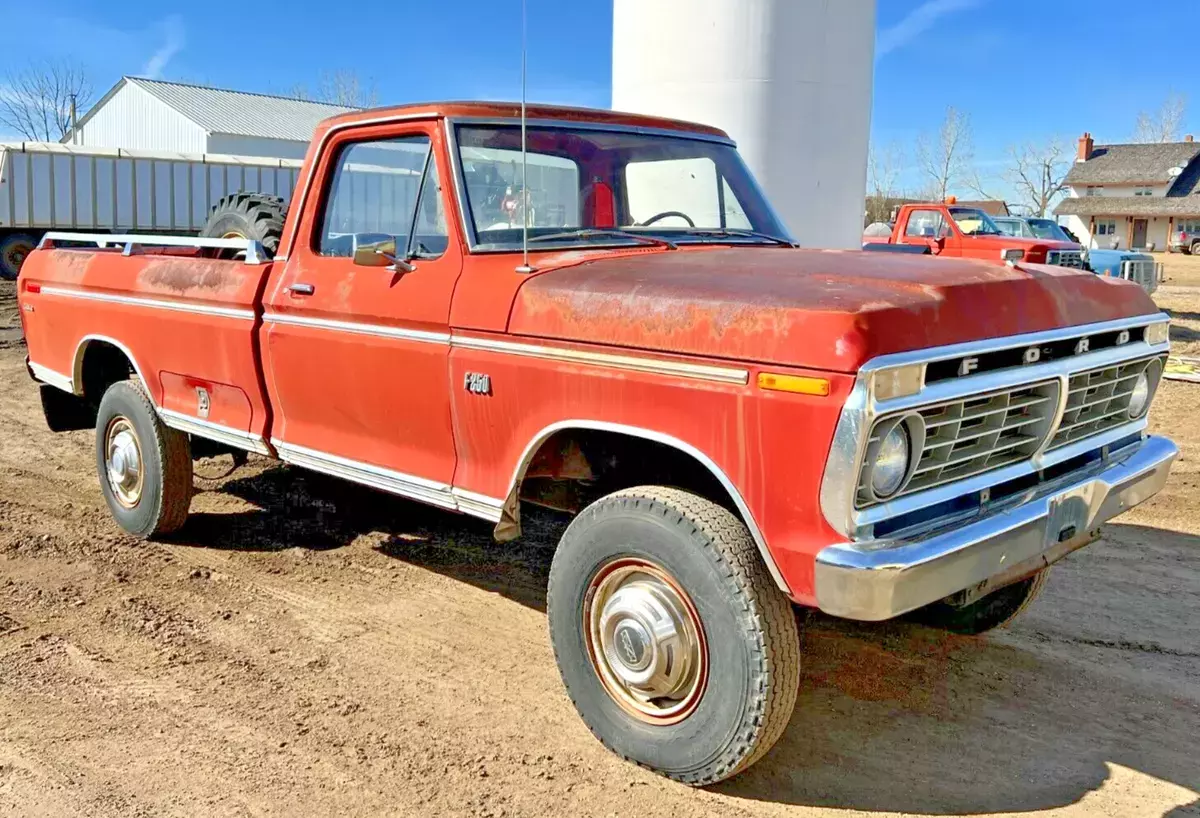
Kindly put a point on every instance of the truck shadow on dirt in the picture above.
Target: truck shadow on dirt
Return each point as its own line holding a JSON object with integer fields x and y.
{"x": 891, "y": 716}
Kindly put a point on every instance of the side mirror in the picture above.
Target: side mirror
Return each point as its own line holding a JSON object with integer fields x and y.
{"x": 381, "y": 254}
{"x": 936, "y": 245}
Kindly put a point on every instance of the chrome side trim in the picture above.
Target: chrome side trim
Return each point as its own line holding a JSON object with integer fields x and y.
{"x": 881, "y": 579}
{"x": 81, "y": 348}
{"x": 862, "y": 408}
{"x": 405, "y": 485}
{"x": 357, "y": 328}
{"x": 479, "y": 505}
{"x": 656, "y": 366}
{"x": 214, "y": 431}
{"x": 155, "y": 303}
{"x": 674, "y": 442}
{"x": 51, "y": 378}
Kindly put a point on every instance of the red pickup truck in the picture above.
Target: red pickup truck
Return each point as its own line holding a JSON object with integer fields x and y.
{"x": 737, "y": 425}
{"x": 954, "y": 230}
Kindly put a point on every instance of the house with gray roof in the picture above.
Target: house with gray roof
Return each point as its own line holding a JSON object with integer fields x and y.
{"x": 1133, "y": 195}
{"x": 173, "y": 117}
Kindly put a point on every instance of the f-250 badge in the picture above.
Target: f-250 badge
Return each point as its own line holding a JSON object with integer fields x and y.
{"x": 477, "y": 383}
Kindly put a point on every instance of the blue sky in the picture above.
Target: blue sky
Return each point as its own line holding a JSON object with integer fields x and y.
{"x": 1022, "y": 69}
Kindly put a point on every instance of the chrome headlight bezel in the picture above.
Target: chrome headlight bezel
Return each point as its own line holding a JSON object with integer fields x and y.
{"x": 1147, "y": 384}
{"x": 910, "y": 429}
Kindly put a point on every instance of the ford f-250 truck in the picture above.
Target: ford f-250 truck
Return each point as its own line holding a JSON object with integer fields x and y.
{"x": 739, "y": 426}
{"x": 959, "y": 231}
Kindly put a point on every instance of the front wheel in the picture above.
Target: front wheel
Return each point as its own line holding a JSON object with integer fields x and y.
{"x": 676, "y": 647}
{"x": 145, "y": 467}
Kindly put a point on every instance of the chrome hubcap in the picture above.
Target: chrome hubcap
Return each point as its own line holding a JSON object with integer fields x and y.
{"x": 123, "y": 460}
{"x": 645, "y": 641}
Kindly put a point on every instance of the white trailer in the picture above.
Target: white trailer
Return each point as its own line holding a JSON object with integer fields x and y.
{"x": 50, "y": 186}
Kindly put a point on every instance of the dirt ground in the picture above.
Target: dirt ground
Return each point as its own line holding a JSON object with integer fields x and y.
{"x": 309, "y": 648}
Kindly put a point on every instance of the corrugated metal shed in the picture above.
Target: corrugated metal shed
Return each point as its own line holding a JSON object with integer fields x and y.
{"x": 169, "y": 116}
{"x": 241, "y": 113}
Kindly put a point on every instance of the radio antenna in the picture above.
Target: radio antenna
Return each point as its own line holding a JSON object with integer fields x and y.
{"x": 524, "y": 268}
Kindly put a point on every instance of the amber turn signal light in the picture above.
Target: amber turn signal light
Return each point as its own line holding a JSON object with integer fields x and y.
{"x": 793, "y": 383}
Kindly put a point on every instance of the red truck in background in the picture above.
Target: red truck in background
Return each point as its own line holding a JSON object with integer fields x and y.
{"x": 956, "y": 231}
{"x": 736, "y": 425}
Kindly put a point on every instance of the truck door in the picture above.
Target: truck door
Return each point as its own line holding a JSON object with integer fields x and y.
{"x": 930, "y": 226}
{"x": 356, "y": 352}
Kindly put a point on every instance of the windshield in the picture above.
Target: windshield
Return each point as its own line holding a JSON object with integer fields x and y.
{"x": 974, "y": 222}
{"x": 607, "y": 187}
{"x": 1048, "y": 229}
{"x": 1014, "y": 227}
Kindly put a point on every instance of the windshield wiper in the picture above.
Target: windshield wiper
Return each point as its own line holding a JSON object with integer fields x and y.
{"x": 592, "y": 232}
{"x": 746, "y": 234}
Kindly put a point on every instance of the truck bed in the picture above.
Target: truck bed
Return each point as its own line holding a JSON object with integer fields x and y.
{"x": 181, "y": 309}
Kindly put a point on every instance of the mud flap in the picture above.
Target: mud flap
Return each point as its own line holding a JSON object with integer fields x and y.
{"x": 65, "y": 412}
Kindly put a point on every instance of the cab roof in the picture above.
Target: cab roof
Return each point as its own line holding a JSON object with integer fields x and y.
{"x": 512, "y": 110}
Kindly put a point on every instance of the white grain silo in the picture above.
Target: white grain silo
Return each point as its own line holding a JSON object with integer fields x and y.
{"x": 790, "y": 80}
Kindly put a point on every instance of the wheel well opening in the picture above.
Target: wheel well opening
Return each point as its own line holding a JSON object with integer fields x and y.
{"x": 575, "y": 467}
{"x": 102, "y": 365}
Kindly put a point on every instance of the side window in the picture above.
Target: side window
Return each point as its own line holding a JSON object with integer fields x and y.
{"x": 927, "y": 224}
{"x": 373, "y": 198}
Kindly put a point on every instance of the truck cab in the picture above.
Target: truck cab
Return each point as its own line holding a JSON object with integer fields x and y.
{"x": 599, "y": 313}
{"x": 957, "y": 231}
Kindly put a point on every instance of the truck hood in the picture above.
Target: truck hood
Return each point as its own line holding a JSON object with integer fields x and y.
{"x": 1001, "y": 242}
{"x": 819, "y": 309}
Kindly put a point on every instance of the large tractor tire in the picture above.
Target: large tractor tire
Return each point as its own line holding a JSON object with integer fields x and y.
{"x": 255, "y": 216}
{"x": 13, "y": 250}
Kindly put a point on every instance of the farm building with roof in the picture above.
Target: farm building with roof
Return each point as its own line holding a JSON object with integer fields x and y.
{"x": 151, "y": 115}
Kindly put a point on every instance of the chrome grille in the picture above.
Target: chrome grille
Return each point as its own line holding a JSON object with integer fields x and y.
{"x": 1097, "y": 400}
{"x": 972, "y": 435}
{"x": 1065, "y": 258}
{"x": 1144, "y": 273}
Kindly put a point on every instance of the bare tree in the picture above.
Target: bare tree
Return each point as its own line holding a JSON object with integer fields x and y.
{"x": 946, "y": 159}
{"x": 1037, "y": 173}
{"x": 342, "y": 88}
{"x": 37, "y": 102}
{"x": 1163, "y": 125}
{"x": 883, "y": 172}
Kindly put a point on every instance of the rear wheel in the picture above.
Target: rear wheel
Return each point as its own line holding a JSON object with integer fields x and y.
{"x": 1195, "y": 251}
{"x": 255, "y": 216}
{"x": 145, "y": 468}
{"x": 997, "y": 609}
{"x": 676, "y": 647}
{"x": 13, "y": 250}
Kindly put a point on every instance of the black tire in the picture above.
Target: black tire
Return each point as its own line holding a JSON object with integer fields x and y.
{"x": 996, "y": 610}
{"x": 749, "y": 626}
{"x": 1195, "y": 251}
{"x": 166, "y": 464}
{"x": 255, "y": 216}
{"x": 13, "y": 250}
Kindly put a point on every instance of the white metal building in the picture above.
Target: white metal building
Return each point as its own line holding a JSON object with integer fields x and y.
{"x": 150, "y": 115}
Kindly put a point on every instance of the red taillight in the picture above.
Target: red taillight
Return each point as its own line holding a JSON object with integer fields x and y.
{"x": 33, "y": 287}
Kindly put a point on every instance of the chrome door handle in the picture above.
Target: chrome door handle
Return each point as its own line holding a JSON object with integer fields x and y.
{"x": 301, "y": 289}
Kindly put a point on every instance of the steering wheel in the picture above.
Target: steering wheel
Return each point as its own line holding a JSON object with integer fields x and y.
{"x": 664, "y": 215}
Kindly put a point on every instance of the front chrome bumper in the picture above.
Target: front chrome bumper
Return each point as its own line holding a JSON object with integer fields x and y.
{"x": 880, "y": 579}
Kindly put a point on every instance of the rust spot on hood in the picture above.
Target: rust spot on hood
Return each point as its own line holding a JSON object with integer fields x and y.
{"x": 818, "y": 309}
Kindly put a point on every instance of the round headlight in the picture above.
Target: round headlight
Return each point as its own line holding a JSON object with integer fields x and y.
{"x": 891, "y": 462}
{"x": 1140, "y": 396}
